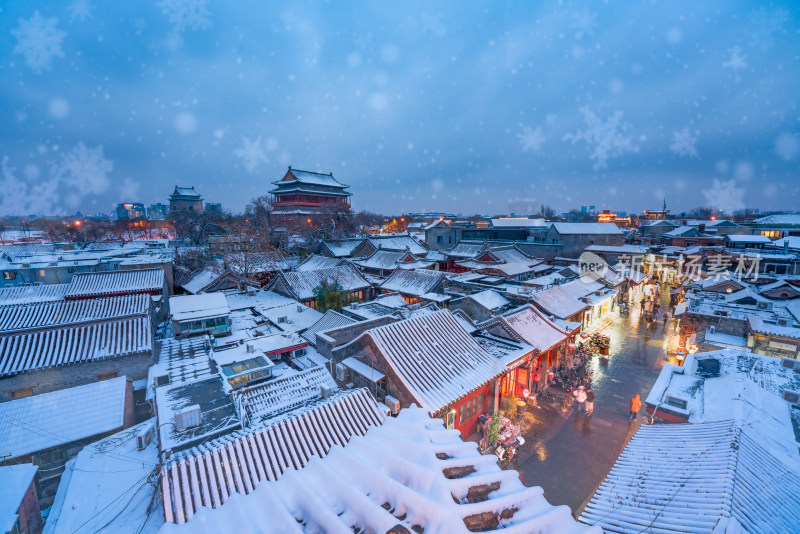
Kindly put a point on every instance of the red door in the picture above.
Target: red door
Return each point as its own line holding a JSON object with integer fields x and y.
{"x": 522, "y": 381}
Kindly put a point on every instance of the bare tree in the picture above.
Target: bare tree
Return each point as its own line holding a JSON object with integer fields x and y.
{"x": 546, "y": 212}
{"x": 703, "y": 212}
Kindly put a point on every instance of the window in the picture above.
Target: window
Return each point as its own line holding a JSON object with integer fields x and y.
{"x": 21, "y": 393}
{"x": 72, "y": 270}
{"x": 107, "y": 376}
{"x": 480, "y": 401}
{"x": 9, "y": 275}
{"x": 461, "y": 411}
{"x": 222, "y": 321}
{"x": 162, "y": 380}
{"x": 439, "y": 239}
{"x": 41, "y": 273}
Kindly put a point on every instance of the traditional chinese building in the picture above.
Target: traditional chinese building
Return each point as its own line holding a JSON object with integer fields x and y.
{"x": 185, "y": 199}
{"x": 304, "y": 193}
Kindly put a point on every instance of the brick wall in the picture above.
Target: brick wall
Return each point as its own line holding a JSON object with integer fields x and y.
{"x": 67, "y": 376}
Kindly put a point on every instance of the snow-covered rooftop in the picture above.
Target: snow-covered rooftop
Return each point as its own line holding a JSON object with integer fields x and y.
{"x": 303, "y": 284}
{"x": 489, "y": 299}
{"x": 12, "y": 296}
{"x": 749, "y": 239}
{"x": 415, "y": 283}
{"x": 435, "y": 358}
{"x": 696, "y": 478}
{"x": 217, "y": 412}
{"x": 14, "y": 483}
{"x": 316, "y": 262}
{"x": 564, "y": 300}
{"x": 249, "y": 459}
{"x": 532, "y": 327}
{"x": 397, "y": 242}
{"x": 518, "y": 222}
{"x": 389, "y": 479}
{"x": 587, "y": 228}
{"x": 74, "y": 344}
{"x": 341, "y": 248}
{"x": 259, "y": 404}
{"x": 107, "y": 487}
{"x": 780, "y": 219}
{"x": 116, "y": 283}
{"x": 330, "y": 320}
{"x": 61, "y": 313}
{"x": 51, "y": 419}
{"x": 200, "y": 280}
{"x": 195, "y": 307}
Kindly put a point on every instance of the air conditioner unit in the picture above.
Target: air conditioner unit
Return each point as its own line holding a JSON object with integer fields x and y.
{"x": 187, "y": 418}
{"x": 354, "y": 306}
{"x": 790, "y": 363}
{"x": 791, "y": 396}
{"x": 386, "y": 410}
{"x": 282, "y": 319}
{"x": 393, "y": 404}
{"x": 145, "y": 437}
{"x": 341, "y": 372}
{"x": 783, "y": 322}
{"x": 764, "y": 306}
{"x": 326, "y": 391}
{"x": 299, "y": 308}
{"x": 251, "y": 291}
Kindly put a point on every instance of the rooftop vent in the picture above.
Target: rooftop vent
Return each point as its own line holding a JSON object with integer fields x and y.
{"x": 789, "y": 363}
{"x": 187, "y": 418}
{"x": 282, "y": 319}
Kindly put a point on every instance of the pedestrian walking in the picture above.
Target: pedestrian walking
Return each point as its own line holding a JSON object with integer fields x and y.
{"x": 536, "y": 377}
{"x": 589, "y": 401}
{"x": 636, "y": 403}
{"x": 580, "y": 398}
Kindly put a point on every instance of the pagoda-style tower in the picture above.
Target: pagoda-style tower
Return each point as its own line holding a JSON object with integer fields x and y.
{"x": 308, "y": 193}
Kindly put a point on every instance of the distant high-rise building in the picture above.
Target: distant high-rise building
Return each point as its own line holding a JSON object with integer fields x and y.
{"x": 185, "y": 199}
{"x": 213, "y": 207}
{"x": 157, "y": 212}
{"x": 584, "y": 209}
{"x": 129, "y": 211}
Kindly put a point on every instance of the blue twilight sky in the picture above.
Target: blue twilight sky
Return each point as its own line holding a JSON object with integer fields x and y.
{"x": 469, "y": 107}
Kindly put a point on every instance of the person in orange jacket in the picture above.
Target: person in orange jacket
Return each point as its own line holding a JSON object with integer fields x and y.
{"x": 636, "y": 403}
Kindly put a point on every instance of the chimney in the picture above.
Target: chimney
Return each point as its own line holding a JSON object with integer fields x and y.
{"x": 785, "y": 245}
{"x": 702, "y": 228}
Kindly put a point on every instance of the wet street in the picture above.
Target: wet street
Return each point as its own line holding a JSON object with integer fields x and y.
{"x": 569, "y": 455}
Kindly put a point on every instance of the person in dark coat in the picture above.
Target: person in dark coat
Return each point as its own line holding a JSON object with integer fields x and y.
{"x": 589, "y": 401}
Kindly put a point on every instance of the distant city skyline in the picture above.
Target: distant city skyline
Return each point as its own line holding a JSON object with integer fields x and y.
{"x": 466, "y": 108}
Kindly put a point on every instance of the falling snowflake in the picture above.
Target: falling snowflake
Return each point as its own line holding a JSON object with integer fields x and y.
{"x": 606, "y": 140}
{"x": 737, "y": 60}
{"x": 531, "y": 139}
{"x": 583, "y": 23}
{"x": 683, "y": 144}
{"x": 85, "y": 170}
{"x": 252, "y": 153}
{"x": 128, "y": 190}
{"x": 80, "y": 10}
{"x": 764, "y": 24}
{"x": 39, "y": 41}
{"x": 725, "y": 196}
{"x": 186, "y": 14}
{"x": 20, "y": 197}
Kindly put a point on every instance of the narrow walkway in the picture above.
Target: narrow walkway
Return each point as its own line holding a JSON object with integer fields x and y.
{"x": 569, "y": 454}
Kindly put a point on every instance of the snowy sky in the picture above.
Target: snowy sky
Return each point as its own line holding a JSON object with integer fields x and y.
{"x": 470, "y": 107}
